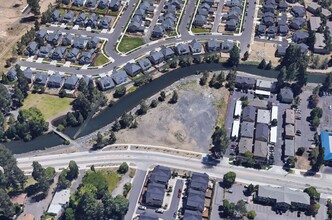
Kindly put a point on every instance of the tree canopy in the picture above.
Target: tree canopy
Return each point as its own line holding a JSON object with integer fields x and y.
{"x": 229, "y": 179}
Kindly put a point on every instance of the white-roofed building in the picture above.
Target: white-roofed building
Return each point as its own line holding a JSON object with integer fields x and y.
{"x": 238, "y": 108}
{"x": 236, "y": 128}
{"x": 263, "y": 116}
{"x": 274, "y": 112}
{"x": 59, "y": 202}
{"x": 264, "y": 85}
{"x": 262, "y": 92}
{"x": 273, "y": 134}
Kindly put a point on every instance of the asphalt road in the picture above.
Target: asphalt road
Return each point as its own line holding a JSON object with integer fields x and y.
{"x": 112, "y": 39}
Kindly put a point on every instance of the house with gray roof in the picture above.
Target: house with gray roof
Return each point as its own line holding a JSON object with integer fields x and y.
{"x": 90, "y": 3}
{"x": 72, "y": 55}
{"x": 286, "y": 95}
{"x": 282, "y": 198}
{"x": 297, "y": 23}
{"x": 249, "y": 113}
{"x": 195, "y": 200}
{"x": 40, "y": 36}
{"x": 283, "y": 6}
{"x": 247, "y": 129}
{"x": 132, "y": 69}
{"x": 268, "y": 7}
{"x": 182, "y": 49}
{"x": 158, "y": 31}
{"x": 154, "y": 195}
{"x": 53, "y": 38}
{"x": 303, "y": 47}
{"x": 231, "y": 24}
{"x": 45, "y": 51}
{"x": 272, "y": 32}
{"x": 314, "y": 23}
{"x": 200, "y": 20}
{"x": 283, "y": 30}
{"x": 105, "y": 83}
{"x": 268, "y": 21}
{"x": 199, "y": 181}
{"x": 78, "y": 3}
{"x": 67, "y": 40}
{"x": 40, "y": 78}
{"x": 326, "y": 13}
{"x": 245, "y": 82}
{"x": 245, "y": 145}
{"x": 91, "y": 21}
{"x": 31, "y": 49}
{"x": 298, "y": 11}
{"x": 168, "y": 24}
{"x": 55, "y": 81}
{"x": 289, "y": 148}
{"x": 202, "y": 11}
{"x": 115, "y": 5}
{"x": 104, "y": 22}
{"x": 86, "y": 57}
{"x": 261, "y": 151}
{"x": 93, "y": 42}
{"x": 58, "y": 53}
{"x": 289, "y": 131}
{"x": 119, "y": 76}
{"x": 227, "y": 45}
{"x": 135, "y": 26}
{"x": 212, "y": 46}
{"x": 191, "y": 215}
{"x": 300, "y": 36}
{"x": 156, "y": 57}
{"x": 102, "y": 4}
{"x": 281, "y": 50}
{"x": 167, "y": 52}
{"x": 12, "y": 74}
{"x": 29, "y": 74}
{"x": 66, "y": 2}
{"x": 261, "y": 30}
{"x": 195, "y": 47}
{"x": 312, "y": 7}
{"x": 68, "y": 17}
{"x": 320, "y": 46}
{"x": 55, "y": 16}
{"x": 79, "y": 42}
{"x": 81, "y": 19}
{"x": 148, "y": 216}
{"x": 262, "y": 132}
{"x": 71, "y": 82}
{"x": 160, "y": 175}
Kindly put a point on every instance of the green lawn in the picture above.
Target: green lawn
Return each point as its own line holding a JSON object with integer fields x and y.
{"x": 130, "y": 43}
{"x": 49, "y": 105}
{"x": 112, "y": 180}
{"x": 100, "y": 60}
{"x": 199, "y": 30}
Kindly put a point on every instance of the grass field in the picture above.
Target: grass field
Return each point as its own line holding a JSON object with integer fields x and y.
{"x": 49, "y": 105}
{"x": 112, "y": 180}
{"x": 199, "y": 30}
{"x": 130, "y": 43}
{"x": 100, "y": 60}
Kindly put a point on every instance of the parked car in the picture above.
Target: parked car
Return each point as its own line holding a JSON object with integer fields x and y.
{"x": 141, "y": 207}
{"x": 161, "y": 211}
{"x": 230, "y": 191}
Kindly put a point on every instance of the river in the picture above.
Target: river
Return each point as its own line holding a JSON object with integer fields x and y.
{"x": 131, "y": 100}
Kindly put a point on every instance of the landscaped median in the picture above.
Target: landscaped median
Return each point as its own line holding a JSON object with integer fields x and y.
{"x": 100, "y": 60}
{"x": 130, "y": 43}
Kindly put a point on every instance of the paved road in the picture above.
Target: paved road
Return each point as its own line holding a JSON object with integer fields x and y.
{"x": 119, "y": 60}
{"x": 218, "y": 17}
{"x": 274, "y": 176}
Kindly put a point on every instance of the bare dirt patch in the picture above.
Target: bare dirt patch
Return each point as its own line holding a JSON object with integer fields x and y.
{"x": 264, "y": 50}
{"x": 302, "y": 163}
{"x": 187, "y": 125}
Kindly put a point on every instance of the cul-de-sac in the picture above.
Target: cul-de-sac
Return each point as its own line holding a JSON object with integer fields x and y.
{"x": 165, "y": 109}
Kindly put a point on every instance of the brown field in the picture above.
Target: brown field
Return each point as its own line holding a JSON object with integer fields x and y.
{"x": 262, "y": 50}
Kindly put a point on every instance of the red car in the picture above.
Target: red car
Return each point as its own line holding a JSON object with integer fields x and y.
{"x": 179, "y": 193}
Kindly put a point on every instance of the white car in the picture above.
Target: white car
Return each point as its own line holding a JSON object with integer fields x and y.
{"x": 330, "y": 107}
{"x": 161, "y": 211}
{"x": 141, "y": 207}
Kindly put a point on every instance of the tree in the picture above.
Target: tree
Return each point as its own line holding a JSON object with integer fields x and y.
{"x": 251, "y": 214}
{"x": 228, "y": 208}
{"x": 312, "y": 192}
{"x": 119, "y": 92}
{"x": 269, "y": 65}
{"x": 327, "y": 39}
{"x": 6, "y": 206}
{"x": 69, "y": 214}
{"x": 122, "y": 206}
{"x": 154, "y": 103}
{"x": 241, "y": 207}
{"x": 219, "y": 141}
{"x": 73, "y": 170}
{"x": 87, "y": 207}
{"x": 282, "y": 77}
{"x": 311, "y": 40}
{"x": 244, "y": 100}
{"x": 44, "y": 185}
{"x": 250, "y": 189}
{"x": 162, "y": 96}
{"x": 315, "y": 62}
{"x": 291, "y": 161}
{"x": 262, "y": 64}
{"x": 229, "y": 179}
{"x": 100, "y": 140}
{"x": 83, "y": 87}
{"x": 316, "y": 112}
{"x": 37, "y": 25}
{"x": 204, "y": 78}
{"x": 143, "y": 108}
{"x": 5, "y": 99}
{"x": 126, "y": 120}
{"x": 111, "y": 138}
{"x": 116, "y": 126}
{"x": 98, "y": 180}
{"x": 245, "y": 56}
{"x": 315, "y": 122}
{"x": 38, "y": 171}
{"x": 274, "y": 122}
{"x": 82, "y": 104}
{"x": 174, "y": 98}
{"x": 231, "y": 76}
{"x": 134, "y": 124}
{"x": 213, "y": 80}
{"x": 123, "y": 168}
{"x": 249, "y": 154}
{"x": 63, "y": 182}
{"x": 34, "y": 6}
{"x": 126, "y": 189}
{"x": 300, "y": 151}
{"x": 71, "y": 119}
{"x": 291, "y": 72}
{"x": 62, "y": 93}
{"x": 234, "y": 56}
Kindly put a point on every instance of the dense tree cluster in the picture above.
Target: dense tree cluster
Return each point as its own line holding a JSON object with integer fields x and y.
{"x": 217, "y": 80}
{"x": 67, "y": 175}
{"x": 231, "y": 76}
{"x": 30, "y": 124}
{"x": 229, "y": 179}
{"x": 25, "y": 40}
{"x": 44, "y": 178}
{"x": 219, "y": 141}
{"x": 119, "y": 92}
{"x": 34, "y": 6}
{"x": 102, "y": 141}
{"x": 264, "y": 65}
{"x": 234, "y": 56}
{"x": 93, "y": 201}
{"x": 230, "y": 210}
{"x": 47, "y": 14}
{"x": 21, "y": 88}
{"x": 315, "y": 115}
{"x": 316, "y": 158}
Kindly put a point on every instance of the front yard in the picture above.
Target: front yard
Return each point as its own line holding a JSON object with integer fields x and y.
{"x": 129, "y": 43}
{"x": 49, "y": 105}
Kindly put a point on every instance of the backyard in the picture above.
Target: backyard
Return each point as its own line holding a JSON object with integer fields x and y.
{"x": 129, "y": 43}
{"x": 49, "y": 105}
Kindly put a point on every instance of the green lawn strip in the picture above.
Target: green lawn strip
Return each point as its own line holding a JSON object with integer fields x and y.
{"x": 199, "y": 30}
{"x": 130, "y": 43}
{"x": 100, "y": 60}
{"x": 49, "y": 105}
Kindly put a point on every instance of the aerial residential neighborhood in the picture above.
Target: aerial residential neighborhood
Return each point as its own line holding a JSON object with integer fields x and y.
{"x": 168, "y": 109}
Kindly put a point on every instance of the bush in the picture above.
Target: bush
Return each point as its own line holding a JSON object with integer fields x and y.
{"x": 60, "y": 127}
{"x": 123, "y": 168}
{"x": 119, "y": 92}
{"x": 126, "y": 189}
{"x": 66, "y": 142}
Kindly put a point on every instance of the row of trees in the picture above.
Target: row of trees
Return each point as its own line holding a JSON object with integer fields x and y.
{"x": 264, "y": 65}
{"x": 215, "y": 82}
{"x": 44, "y": 178}
{"x": 67, "y": 175}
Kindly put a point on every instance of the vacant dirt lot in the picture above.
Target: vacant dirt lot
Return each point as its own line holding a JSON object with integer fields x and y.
{"x": 262, "y": 50}
{"x": 188, "y": 124}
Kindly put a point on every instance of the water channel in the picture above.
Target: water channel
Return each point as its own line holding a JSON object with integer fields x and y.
{"x": 131, "y": 100}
